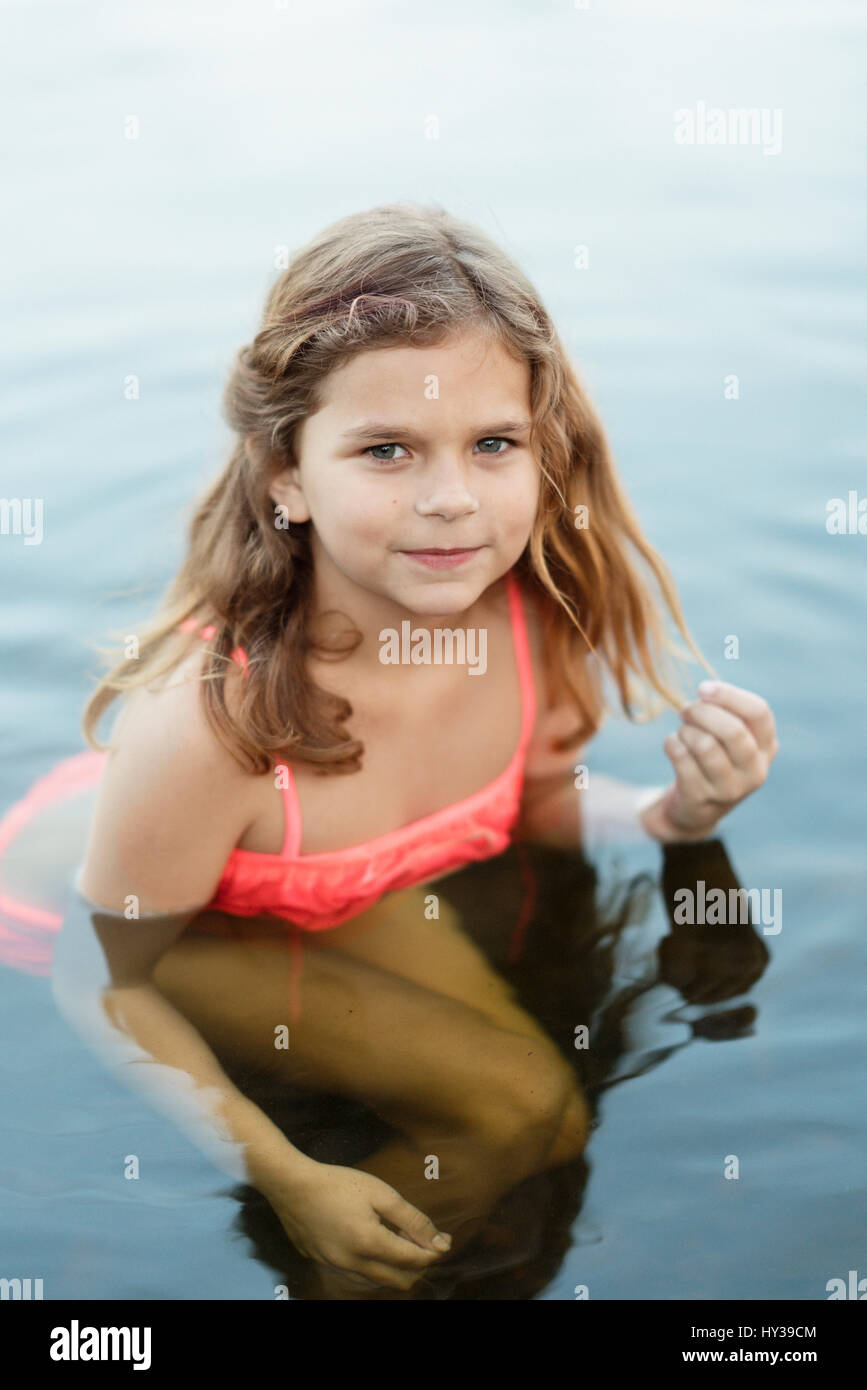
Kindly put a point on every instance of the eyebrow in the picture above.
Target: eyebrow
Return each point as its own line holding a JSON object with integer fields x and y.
{"x": 373, "y": 429}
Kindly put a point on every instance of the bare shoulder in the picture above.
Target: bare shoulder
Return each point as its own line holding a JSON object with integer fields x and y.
{"x": 167, "y": 716}
{"x": 172, "y": 801}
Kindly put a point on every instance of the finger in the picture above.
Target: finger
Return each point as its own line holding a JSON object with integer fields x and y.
{"x": 408, "y": 1219}
{"x": 748, "y": 706}
{"x": 736, "y": 737}
{"x": 384, "y": 1245}
{"x": 729, "y": 782}
{"x": 712, "y": 759}
{"x": 691, "y": 779}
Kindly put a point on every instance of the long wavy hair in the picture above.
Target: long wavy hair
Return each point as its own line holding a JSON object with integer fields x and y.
{"x": 399, "y": 275}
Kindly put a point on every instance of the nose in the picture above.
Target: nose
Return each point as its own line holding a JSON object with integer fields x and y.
{"x": 444, "y": 491}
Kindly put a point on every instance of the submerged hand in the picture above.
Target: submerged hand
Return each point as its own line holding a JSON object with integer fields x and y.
{"x": 721, "y": 753}
{"x": 335, "y": 1216}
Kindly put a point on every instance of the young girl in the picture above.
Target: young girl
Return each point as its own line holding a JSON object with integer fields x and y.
{"x": 379, "y": 662}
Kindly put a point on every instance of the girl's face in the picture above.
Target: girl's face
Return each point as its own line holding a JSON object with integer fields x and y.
{"x": 415, "y": 449}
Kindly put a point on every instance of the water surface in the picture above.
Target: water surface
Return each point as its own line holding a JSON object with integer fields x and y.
{"x": 152, "y": 257}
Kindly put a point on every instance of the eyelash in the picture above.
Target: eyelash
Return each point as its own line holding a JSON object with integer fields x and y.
{"x": 501, "y": 439}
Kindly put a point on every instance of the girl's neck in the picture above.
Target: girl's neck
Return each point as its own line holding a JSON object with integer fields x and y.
{"x": 389, "y": 627}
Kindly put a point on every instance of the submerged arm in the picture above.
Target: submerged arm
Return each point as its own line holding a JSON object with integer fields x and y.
{"x": 172, "y": 803}
{"x": 101, "y": 983}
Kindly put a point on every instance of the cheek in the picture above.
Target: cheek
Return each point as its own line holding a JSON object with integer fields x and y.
{"x": 362, "y": 513}
{"x": 518, "y": 506}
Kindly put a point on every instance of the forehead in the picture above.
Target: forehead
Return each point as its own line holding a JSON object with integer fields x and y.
{"x": 467, "y": 371}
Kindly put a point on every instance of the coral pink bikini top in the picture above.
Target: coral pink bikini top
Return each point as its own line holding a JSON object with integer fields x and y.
{"x": 315, "y": 891}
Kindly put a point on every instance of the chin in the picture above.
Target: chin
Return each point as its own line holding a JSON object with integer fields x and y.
{"x": 442, "y": 600}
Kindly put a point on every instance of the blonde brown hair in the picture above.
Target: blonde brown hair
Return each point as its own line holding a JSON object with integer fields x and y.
{"x": 408, "y": 275}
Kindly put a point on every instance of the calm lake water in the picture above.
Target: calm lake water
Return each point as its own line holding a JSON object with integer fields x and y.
{"x": 718, "y": 322}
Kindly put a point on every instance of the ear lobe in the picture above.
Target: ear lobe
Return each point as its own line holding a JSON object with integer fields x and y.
{"x": 283, "y": 485}
{"x": 285, "y": 491}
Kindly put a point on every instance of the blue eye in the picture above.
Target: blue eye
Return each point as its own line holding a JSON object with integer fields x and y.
{"x": 488, "y": 439}
{"x": 384, "y": 446}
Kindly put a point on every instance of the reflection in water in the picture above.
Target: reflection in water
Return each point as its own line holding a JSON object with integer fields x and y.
{"x": 404, "y": 1029}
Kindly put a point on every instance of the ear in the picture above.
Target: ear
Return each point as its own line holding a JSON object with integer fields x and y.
{"x": 284, "y": 488}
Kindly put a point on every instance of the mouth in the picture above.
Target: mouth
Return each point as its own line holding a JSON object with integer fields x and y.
{"x": 442, "y": 556}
